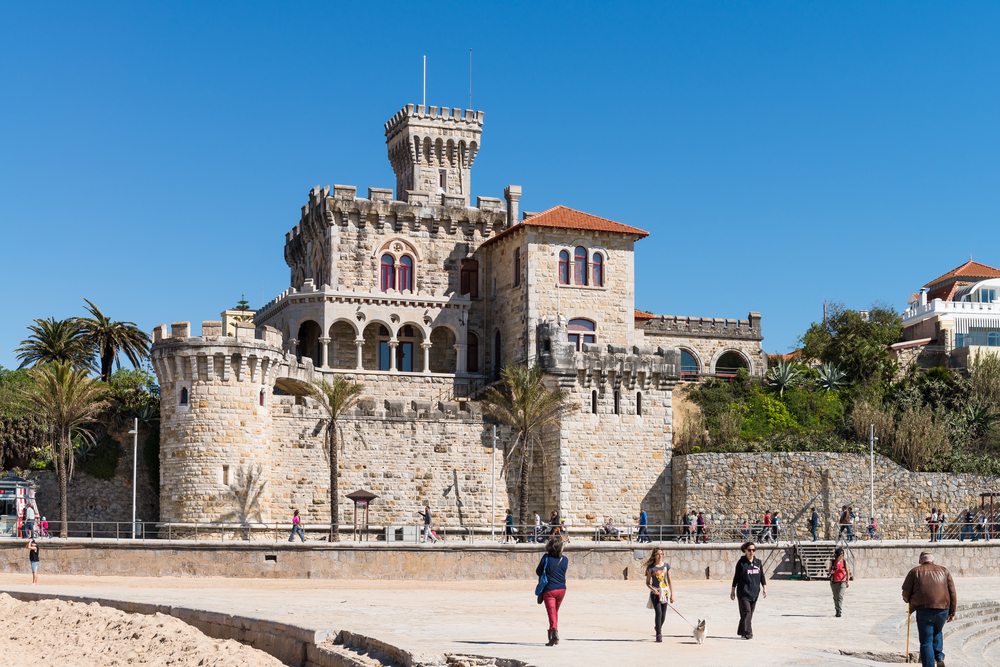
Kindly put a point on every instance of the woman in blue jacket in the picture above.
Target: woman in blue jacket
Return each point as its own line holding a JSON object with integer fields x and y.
{"x": 554, "y": 565}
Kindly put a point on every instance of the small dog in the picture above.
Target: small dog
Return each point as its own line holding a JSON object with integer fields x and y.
{"x": 699, "y": 632}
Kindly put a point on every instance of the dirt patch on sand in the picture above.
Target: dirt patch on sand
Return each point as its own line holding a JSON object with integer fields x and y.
{"x": 53, "y": 632}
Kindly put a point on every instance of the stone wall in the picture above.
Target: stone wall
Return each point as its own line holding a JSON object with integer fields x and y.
{"x": 732, "y": 487}
{"x": 92, "y": 499}
{"x": 707, "y": 339}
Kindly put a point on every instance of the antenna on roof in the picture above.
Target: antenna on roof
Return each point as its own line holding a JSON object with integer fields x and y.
{"x": 470, "y": 78}
{"x": 425, "y": 83}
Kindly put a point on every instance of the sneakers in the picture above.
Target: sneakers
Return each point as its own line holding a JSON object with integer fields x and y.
{"x": 659, "y": 639}
{"x": 940, "y": 663}
{"x": 838, "y": 614}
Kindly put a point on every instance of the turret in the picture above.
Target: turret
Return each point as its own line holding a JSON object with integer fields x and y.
{"x": 432, "y": 151}
{"x": 215, "y": 401}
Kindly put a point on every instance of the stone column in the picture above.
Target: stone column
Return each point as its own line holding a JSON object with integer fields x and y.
{"x": 392, "y": 355}
{"x": 324, "y": 344}
{"x": 360, "y": 343}
{"x": 460, "y": 358}
{"x": 427, "y": 357}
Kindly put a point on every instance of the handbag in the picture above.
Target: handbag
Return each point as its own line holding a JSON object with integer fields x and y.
{"x": 543, "y": 579}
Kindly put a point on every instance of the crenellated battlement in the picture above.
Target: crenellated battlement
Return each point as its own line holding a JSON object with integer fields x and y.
{"x": 252, "y": 355}
{"x": 657, "y": 367}
{"x": 706, "y": 327}
{"x": 435, "y": 116}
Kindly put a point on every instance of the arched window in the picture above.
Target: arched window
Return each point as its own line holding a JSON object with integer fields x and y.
{"x": 593, "y": 402}
{"x": 638, "y": 403}
{"x": 598, "y": 262}
{"x": 388, "y": 273}
{"x": 581, "y": 331}
{"x": 472, "y": 353}
{"x": 469, "y": 278}
{"x": 184, "y": 396}
{"x": 517, "y": 267}
{"x": 580, "y": 266}
{"x": 730, "y": 363}
{"x": 688, "y": 363}
{"x": 405, "y": 273}
{"x": 564, "y": 268}
{"x": 618, "y": 402}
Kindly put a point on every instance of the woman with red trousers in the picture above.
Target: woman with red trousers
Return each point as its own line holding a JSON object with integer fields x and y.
{"x": 554, "y": 565}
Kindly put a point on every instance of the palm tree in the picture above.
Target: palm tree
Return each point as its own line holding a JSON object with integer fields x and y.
{"x": 337, "y": 398}
{"x": 67, "y": 399}
{"x": 56, "y": 341}
{"x": 108, "y": 337}
{"x": 528, "y": 407}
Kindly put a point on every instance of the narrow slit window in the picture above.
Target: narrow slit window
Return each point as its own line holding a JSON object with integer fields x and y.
{"x": 618, "y": 402}
{"x": 598, "y": 269}
{"x": 593, "y": 402}
{"x": 517, "y": 267}
{"x": 563, "y": 268}
{"x": 225, "y": 475}
{"x": 184, "y": 396}
{"x": 638, "y": 403}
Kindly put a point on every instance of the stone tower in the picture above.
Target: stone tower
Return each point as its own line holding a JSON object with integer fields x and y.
{"x": 216, "y": 398}
{"x": 432, "y": 151}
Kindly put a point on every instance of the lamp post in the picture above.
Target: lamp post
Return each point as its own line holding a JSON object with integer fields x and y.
{"x": 135, "y": 453}
{"x": 871, "y": 467}
{"x": 493, "y": 476}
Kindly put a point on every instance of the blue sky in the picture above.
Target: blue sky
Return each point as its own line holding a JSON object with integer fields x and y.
{"x": 153, "y": 155}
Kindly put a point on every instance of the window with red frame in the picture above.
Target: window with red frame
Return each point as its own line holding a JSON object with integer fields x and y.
{"x": 598, "y": 270}
{"x": 581, "y": 331}
{"x": 469, "y": 283}
{"x": 405, "y": 273}
{"x": 563, "y": 268}
{"x": 580, "y": 266}
{"x": 388, "y": 273}
{"x": 517, "y": 267}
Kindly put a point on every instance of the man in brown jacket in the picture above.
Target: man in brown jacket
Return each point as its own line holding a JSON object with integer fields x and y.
{"x": 930, "y": 590}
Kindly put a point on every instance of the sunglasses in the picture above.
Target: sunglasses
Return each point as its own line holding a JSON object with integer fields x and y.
{"x": 751, "y": 550}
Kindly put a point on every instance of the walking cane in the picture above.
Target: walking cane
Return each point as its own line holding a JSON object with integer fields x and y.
{"x": 909, "y": 611}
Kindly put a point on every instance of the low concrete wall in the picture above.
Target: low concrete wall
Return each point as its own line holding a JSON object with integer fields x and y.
{"x": 587, "y": 560}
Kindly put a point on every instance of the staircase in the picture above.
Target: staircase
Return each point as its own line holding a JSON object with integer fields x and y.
{"x": 815, "y": 559}
{"x": 971, "y": 640}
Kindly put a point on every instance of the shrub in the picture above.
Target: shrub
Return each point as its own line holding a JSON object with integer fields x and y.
{"x": 102, "y": 459}
{"x": 692, "y": 433}
{"x": 920, "y": 438}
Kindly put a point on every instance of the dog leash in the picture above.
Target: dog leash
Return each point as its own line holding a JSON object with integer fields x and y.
{"x": 682, "y": 616}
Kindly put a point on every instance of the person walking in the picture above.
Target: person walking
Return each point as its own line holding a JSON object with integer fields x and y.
{"x": 538, "y": 528}
{"x": 842, "y": 522}
{"x": 968, "y": 527}
{"x": 814, "y": 523}
{"x": 850, "y": 524}
{"x": 45, "y": 527}
{"x": 428, "y": 533}
{"x": 702, "y": 531}
{"x": 748, "y": 583}
{"x": 508, "y": 528}
{"x": 554, "y": 565}
{"x": 296, "y": 528}
{"x": 942, "y": 526}
{"x": 932, "y": 521}
{"x": 775, "y": 524}
{"x": 745, "y": 530}
{"x": 766, "y": 534}
{"x": 643, "y": 522}
{"x": 840, "y": 579}
{"x": 930, "y": 590}
{"x": 29, "y": 521}
{"x": 554, "y": 524}
{"x": 661, "y": 588}
{"x": 983, "y": 531}
{"x": 33, "y": 559}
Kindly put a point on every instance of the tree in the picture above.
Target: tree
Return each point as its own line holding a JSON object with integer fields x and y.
{"x": 243, "y": 306}
{"x": 57, "y": 341}
{"x": 856, "y": 341}
{"x": 528, "y": 407}
{"x": 337, "y": 398}
{"x": 22, "y": 432}
{"x": 68, "y": 400}
{"x": 109, "y": 337}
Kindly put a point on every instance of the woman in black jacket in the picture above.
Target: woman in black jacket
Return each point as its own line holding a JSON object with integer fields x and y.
{"x": 554, "y": 565}
{"x": 748, "y": 583}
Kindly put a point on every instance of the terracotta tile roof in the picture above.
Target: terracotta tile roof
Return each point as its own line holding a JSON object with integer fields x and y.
{"x": 643, "y": 315}
{"x": 568, "y": 218}
{"x": 968, "y": 270}
{"x": 947, "y": 291}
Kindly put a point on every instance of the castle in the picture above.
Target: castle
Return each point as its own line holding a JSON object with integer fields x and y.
{"x": 423, "y": 298}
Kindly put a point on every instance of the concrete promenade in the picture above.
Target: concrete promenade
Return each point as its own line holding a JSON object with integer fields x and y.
{"x": 602, "y": 622}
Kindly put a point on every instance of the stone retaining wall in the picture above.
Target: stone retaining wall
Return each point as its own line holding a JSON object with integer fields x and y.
{"x": 587, "y": 560}
{"x": 732, "y": 487}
